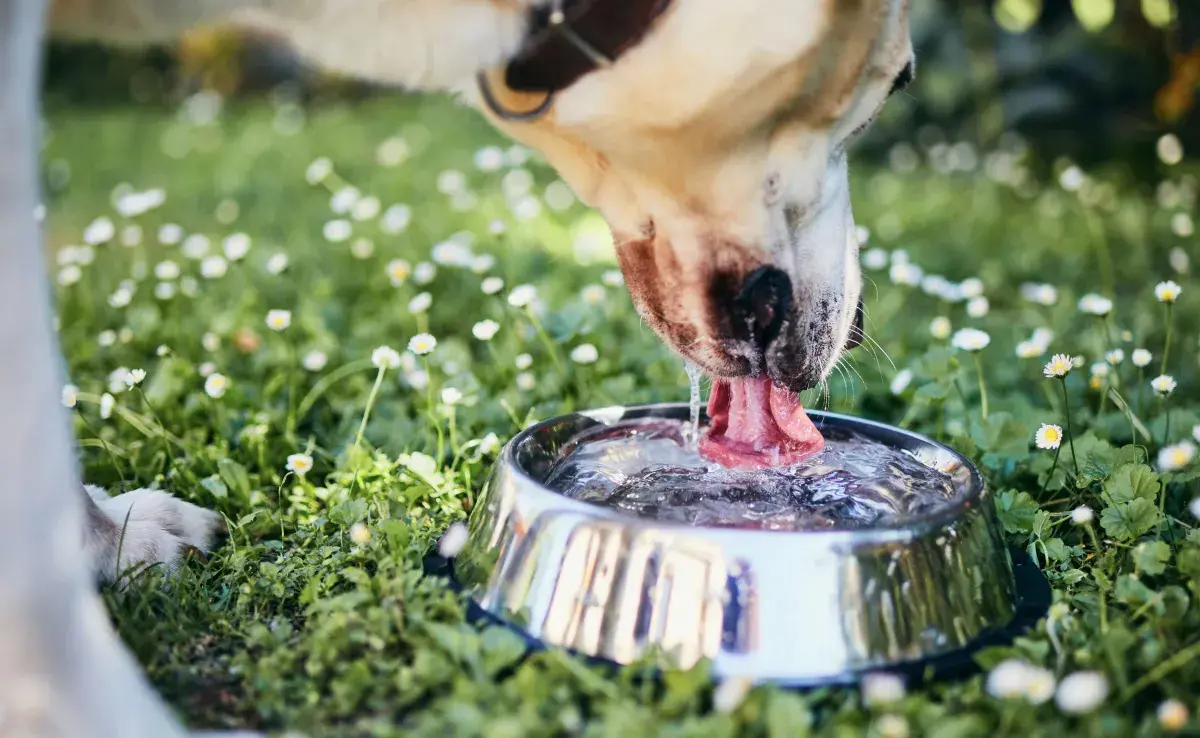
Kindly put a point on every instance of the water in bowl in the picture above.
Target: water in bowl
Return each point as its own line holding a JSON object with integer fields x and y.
{"x": 650, "y": 468}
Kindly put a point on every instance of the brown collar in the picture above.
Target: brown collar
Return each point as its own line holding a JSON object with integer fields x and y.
{"x": 570, "y": 38}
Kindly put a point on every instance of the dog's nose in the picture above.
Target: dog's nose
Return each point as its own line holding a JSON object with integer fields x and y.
{"x": 763, "y": 302}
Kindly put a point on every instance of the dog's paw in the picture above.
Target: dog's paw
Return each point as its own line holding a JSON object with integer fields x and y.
{"x": 142, "y": 528}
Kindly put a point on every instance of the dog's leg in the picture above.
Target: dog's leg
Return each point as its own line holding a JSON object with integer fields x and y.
{"x": 140, "y": 528}
{"x": 62, "y": 670}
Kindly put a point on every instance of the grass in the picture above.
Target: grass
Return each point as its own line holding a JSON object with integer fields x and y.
{"x": 314, "y": 614}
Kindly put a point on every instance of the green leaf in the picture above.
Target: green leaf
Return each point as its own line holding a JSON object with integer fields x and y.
{"x": 1131, "y": 481}
{"x": 235, "y": 477}
{"x": 215, "y": 486}
{"x": 1057, "y": 550}
{"x": 349, "y": 512}
{"x": 931, "y": 393}
{"x": 1151, "y": 557}
{"x": 1126, "y": 521}
{"x": 1016, "y": 511}
{"x": 1131, "y": 591}
{"x": 787, "y": 715}
{"x": 501, "y": 649}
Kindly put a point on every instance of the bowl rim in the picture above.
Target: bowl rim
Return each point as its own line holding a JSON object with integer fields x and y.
{"x": 953, "y": 511}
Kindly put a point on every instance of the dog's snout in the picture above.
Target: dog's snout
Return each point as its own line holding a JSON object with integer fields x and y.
{"x": 763, "y": 303}
{"x": 855, "y": 339}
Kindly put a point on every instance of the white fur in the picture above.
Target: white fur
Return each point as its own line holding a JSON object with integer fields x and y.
{"x": 155, "y": 528}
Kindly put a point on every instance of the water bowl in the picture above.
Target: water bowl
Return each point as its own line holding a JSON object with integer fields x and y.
{"x": 916, "y": 595}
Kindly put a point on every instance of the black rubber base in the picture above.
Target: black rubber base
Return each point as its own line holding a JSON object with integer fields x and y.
{"x": 1033, "y": 600}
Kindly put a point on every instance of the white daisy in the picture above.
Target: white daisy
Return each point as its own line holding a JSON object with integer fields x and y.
{"x": 107, "y": 403}
{"x": 422, "y": 344}
{"x": 277, "y": 263}
{"x": 901, "y": 381}
{"x": 491, "y": 285}
{"x": 396, "y": 219}
{"x": 584, "y": 353}
{"x": 70, "y": 395}
{"x": 1030, "y": 349}
{"x": 1176, "y": 456}
{"x": 385, "y": 357}
{"x": 195, "y": 246}
{"x": 166, "y": 270}
{"x": 1060, "y": 365}
{"x": 1163, "y": 384}
{"x": 522, "y": 295}
{"x": 398, "y": 271}
{"x": 134, "y": 377}
{"x": 215, "y": 385}
{"x": 314, "y": 361}
{"x": 344, "y": 199}
{"x": 299, "y": 464}
{"x": 318, "y": 170}
{"x": 970, "y": 339}
{"x": 1172, "y": 715}
{"x": 1094, "y": 304}
{"x": 523, "y": 361}
{"x": 279, "y": 320}
{"x": 1142, "y": 358}
{"x": 1082, "y": 515}
{"x": 875, "y": 259}
{"x": 213, "y": 267}
{"x": 101, "y": 230}
{"x": 613, "y": 278}
{"x": 526, "y": 382}
{"x": 451, "y": 396}
{"x": 360, "y": 534}
{"x": 1115, "y": 357}
{"x": 337, "y": 231}
{"x": 1168, "y": 291}
{"x": 236, "y": 246}
{"x": 940, "y": 328}
{"x": 420, "y": 303}
{"x": 170, "y": 234}
{"x": 424, "y": 273}
{"x": 593, "y": 294}
{"x": 977, "y": 307}
{"x": 1049, "y": 436}
{"x": 1081, "y": 692}
{"x": 485, "y": 330}
{"x": 362, "y": 248}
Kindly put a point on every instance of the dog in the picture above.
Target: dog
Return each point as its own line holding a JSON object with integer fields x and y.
{"x": 710, "y": 134}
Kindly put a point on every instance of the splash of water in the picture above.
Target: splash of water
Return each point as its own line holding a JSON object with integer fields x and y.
{"x": 648, "y": 468}
{"x": 692, "y": 432}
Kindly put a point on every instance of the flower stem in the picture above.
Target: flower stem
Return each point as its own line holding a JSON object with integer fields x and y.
{"x": 1070, "y": 432}
{"x": 1053, "y": 468}
{"x": 546, "y": 341}
{"x": 983, "y": 398}
{"x": 362, "y": 427}
{"x": 1167, "y": 342}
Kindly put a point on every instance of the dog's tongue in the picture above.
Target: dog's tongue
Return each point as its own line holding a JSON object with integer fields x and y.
{"x": 755, "y": 424}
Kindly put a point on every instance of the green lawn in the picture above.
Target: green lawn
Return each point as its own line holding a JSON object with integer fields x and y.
{"x": 314, "y": 614}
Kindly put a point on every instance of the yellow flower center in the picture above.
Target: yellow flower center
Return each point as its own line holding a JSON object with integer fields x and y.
{"x": 1052, "y": 435}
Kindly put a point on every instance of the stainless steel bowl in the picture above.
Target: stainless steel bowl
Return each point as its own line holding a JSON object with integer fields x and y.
{"x": 791, "y": 607}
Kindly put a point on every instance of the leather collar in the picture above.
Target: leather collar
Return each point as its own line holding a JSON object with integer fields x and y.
{"x": 570, "y": 38}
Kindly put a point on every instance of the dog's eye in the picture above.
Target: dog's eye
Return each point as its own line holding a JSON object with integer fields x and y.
{"x": 902, "y": 79}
